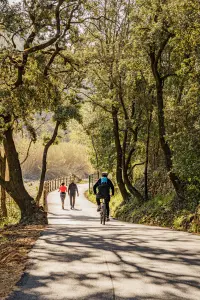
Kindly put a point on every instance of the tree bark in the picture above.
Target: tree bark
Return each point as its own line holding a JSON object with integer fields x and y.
{"x": 119, "y": 176}
{"x": 3, "y": 192}
{"x": 146, "y": 196}
{"x": 15, "y": 187}
{"x": 44, "y": 162}
{"x": 126, "y": 162}
{"x": 162, "y": 130}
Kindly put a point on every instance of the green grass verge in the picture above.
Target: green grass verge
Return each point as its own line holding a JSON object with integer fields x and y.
{"x": 161, "y": 211}
{"x": 114, "y": 202}
{"x": 14, "y": 214}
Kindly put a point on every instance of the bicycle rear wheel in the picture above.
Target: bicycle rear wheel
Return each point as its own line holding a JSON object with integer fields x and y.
{"x": 104, "y": 214}
{"x": 101, "y": 218}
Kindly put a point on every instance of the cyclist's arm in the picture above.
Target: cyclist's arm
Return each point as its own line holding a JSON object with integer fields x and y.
{"x": 111, "y": 186}
{"x": 95, "y": 187}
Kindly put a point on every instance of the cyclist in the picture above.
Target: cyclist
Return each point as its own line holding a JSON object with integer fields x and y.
{"x": 63, "y": 191}
{"x": 104, "y": 185}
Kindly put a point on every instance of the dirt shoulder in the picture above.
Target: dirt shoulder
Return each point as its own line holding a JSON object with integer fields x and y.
{"x": 15, "y": 243}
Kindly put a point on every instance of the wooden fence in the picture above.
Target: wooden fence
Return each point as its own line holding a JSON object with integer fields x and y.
{"x": 13, "y": 212}
{"x": 54, "y": 184}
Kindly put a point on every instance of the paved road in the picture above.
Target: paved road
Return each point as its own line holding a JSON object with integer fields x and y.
{"x": 77, "y": 258}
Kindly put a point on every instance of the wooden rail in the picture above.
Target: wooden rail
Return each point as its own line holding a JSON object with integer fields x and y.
{"x": 54, "y": 184}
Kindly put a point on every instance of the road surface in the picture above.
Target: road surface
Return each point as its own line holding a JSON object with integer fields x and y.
{"x": 77, "y": 258}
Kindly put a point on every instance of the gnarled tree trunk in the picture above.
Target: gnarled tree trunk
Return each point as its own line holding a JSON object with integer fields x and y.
{"x": 3, "y": 192}
{"x": 44, "y": 162}
{"x": 178, "y": 186}
{"x": 30, "y": 213}
{"x": 119, "y": 170}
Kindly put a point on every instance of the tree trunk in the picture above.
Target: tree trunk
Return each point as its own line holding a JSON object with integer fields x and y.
{"x": 164, "y": 144}
{"x": 132, "y": 189}
{"x": 127, "y": 181}
{"x": 146, "y": 196}
{"x": 44, "y": 162}
{"x": 3, "y": 192}
{"x": 161, "y": 122}
{"x": 178, "y": 186}
{"x": 119, "y": 175}
{"x": 125, "y": 163}
{"x": 15, "y": 187}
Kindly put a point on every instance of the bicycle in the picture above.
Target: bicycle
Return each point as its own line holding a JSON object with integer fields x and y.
{"x": 103, "y": 213}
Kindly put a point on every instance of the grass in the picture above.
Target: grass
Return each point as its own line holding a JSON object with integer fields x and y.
{"x": 161, "y": 211}
{"x": 114, "y": 202}
{"x": 14, "y": 214}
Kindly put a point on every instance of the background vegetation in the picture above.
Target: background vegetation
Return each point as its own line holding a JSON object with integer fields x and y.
{"x": 127, "y": 74}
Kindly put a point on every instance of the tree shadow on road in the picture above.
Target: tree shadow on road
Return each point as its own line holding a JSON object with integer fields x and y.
{"x": 131, "y": 263}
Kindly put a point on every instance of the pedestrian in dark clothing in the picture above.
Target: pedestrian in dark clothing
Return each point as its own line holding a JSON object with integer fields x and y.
{"x": 72, "y": 190}
{"x": 104, "y": 185}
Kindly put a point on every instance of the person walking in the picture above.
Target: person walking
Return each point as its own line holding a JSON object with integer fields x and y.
{"x": 72, "y": 190}
{"x": 63, "y": 191}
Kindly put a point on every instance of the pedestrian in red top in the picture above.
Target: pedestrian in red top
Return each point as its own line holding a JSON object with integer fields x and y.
{"x": 63, "y": 191}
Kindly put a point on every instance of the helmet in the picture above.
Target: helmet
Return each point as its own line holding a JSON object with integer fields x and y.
{"x": 104, "y": 174}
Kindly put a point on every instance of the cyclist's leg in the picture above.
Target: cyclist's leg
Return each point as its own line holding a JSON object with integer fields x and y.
{"x": 107, "y": 201}
{"x": 98, "y": 203}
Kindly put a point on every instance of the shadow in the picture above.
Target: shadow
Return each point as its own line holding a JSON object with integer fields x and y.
{"x": 118, "y": 261}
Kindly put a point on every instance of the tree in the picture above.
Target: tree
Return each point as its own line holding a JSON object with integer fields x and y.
{"x": 34, "y": 34}
{"x": 112, "y": 90}
{"x": 147, "y": 58}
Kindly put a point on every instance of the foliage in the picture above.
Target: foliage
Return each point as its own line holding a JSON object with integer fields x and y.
{"x": 145, "y": 93}
{"x": 160, "y": 211}
{"x": 39, "y": 73}
{"x": 128, "y": 72}
{"x": 70, "y": 158}
{"x": 13, "y": 213}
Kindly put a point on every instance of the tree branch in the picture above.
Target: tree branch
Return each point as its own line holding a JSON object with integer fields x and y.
{"x": 51, "y": 60}
{"x": 44, "y": 161}
{"x": 27, "y": 153}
